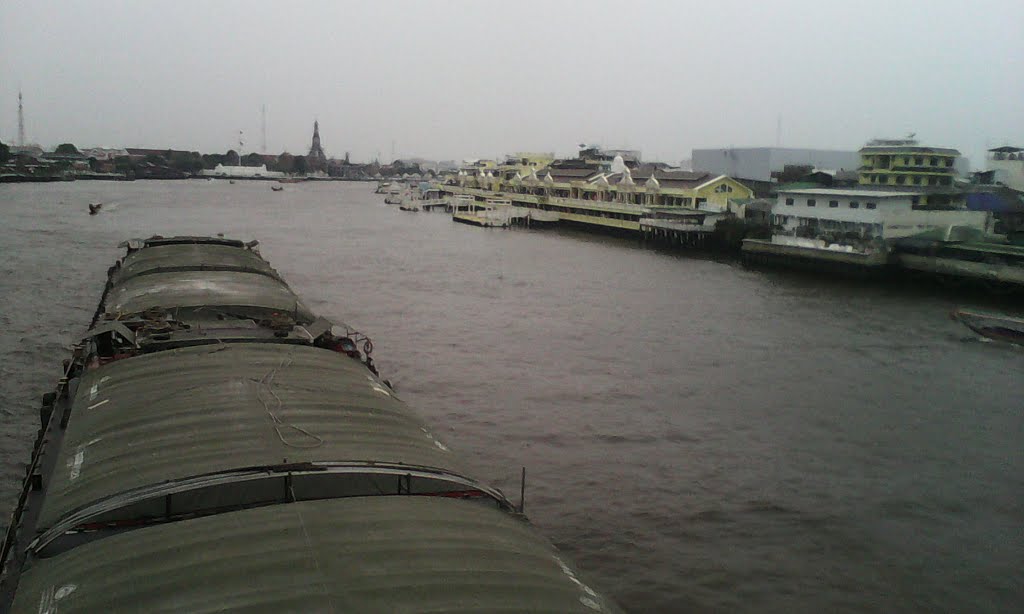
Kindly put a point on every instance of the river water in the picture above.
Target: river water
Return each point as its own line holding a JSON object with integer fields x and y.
{"x": 699, "y": 437}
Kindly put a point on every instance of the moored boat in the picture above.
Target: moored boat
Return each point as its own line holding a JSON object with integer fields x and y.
{"x": 997, "y": 326}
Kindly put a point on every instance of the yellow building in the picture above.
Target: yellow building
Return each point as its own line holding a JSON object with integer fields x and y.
{"x": 523, "y": 163}
{"x": 904, "y": 163}
{"x": 619, "y": 200}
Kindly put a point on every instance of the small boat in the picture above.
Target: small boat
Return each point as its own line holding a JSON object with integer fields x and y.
{"x": 277, "y": 188}
{"x": 412, "y": 208}
{"x": 998, "y": 326}
{"x": 231, "y": 181}
{"x": 291, "y": 180}
{"x": 393, "y": 200}
{"x": 94, "y": 209}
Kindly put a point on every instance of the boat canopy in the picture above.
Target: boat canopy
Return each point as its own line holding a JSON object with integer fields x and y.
{"x": 248, "y": 294}
{"x": 203, "y": 428}
{"x": 216, "y": 275}
{"x": 191, "y": 257}
{"x": 364, "y": 554}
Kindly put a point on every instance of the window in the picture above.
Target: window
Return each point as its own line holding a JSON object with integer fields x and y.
{"x": 917, "y": 181}
{"x": 833, "y": 203}
{"x": 854, "y": 204}
{"x": 811, "y": 202}
{"x": 901, "y": 179}
{"x": 870, "y": 205}
{"x": 935, "y": 161}
{"x": 789, "y": 201}
{"x": 914, "y": 200}
{"x": 919, "y": 161}
{"x": 931, "y": 181}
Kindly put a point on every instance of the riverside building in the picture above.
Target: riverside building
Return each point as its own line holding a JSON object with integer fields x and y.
{"x": 904, "y": 164}
{"x": 1007, "y": 166}
{"x": 904, "y": 189}
{"x": 588, "y": 194}
{"x": 865, "y": 215}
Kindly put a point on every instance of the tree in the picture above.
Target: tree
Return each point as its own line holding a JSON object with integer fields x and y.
{"x": 66, "y": 149}
{"x": 231, "y": 158}
{"x": 253, "y": 159}
{"x": 285, "y": 163}
{"x": 186, "y": 161}
{"x": 123, "y": 164}
{"x": 5, "y": 153}
{"x": 210, "y": 161}
{"x": 300, "y": 166}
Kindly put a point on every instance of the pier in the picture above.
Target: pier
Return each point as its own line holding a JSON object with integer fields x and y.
{"x": 856, "y": 263}
{"x": 680, "y": 228}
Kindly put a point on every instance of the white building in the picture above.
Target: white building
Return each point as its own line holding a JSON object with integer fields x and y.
{"x": 860, "y": 216}
{"x": 1008, "y": 164}
{"x": 104, "y": 153}
{"x": 243, "y": 172}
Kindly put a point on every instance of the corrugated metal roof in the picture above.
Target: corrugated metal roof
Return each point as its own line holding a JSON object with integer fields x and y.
{"x": 191, "y": 257}
{"x": 210, "y": 289}
{"x": 366, "y": 555}
{"x": 193, "y": 411}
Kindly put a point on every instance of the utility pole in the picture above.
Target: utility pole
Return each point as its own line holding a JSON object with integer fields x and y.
{"x": 21, "y": 122}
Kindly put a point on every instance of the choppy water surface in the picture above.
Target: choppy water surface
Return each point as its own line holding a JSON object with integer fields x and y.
{"x": 699, "y": 437}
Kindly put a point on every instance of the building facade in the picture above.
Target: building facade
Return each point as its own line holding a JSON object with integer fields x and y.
{"x": 1008, "y": 164}
{"x": 860, "y": 217}
{"x": 600, "y": 198}
{"x": 904, "y": 163}
{"x": 759, "y": 163}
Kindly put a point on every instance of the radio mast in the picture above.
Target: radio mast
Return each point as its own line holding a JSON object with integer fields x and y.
{"x": 21, "y": 122}
{"x": 263, "y": 134}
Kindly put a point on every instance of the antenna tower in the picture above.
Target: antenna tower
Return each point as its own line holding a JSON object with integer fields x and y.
{"x": 263, "y": 134}
{"x": 21, "y": 122}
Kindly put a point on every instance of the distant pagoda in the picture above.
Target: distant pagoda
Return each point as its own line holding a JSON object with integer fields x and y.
{"x": 317, "y": 158}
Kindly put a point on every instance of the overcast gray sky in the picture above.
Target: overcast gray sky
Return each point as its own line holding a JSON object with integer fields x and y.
{"x": 474, "y": 79}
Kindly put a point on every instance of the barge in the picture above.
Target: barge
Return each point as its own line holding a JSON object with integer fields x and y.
{"x": 213, "y": 445}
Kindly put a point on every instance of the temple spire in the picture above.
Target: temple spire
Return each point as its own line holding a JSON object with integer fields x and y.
{"x": 316, "y": 152}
